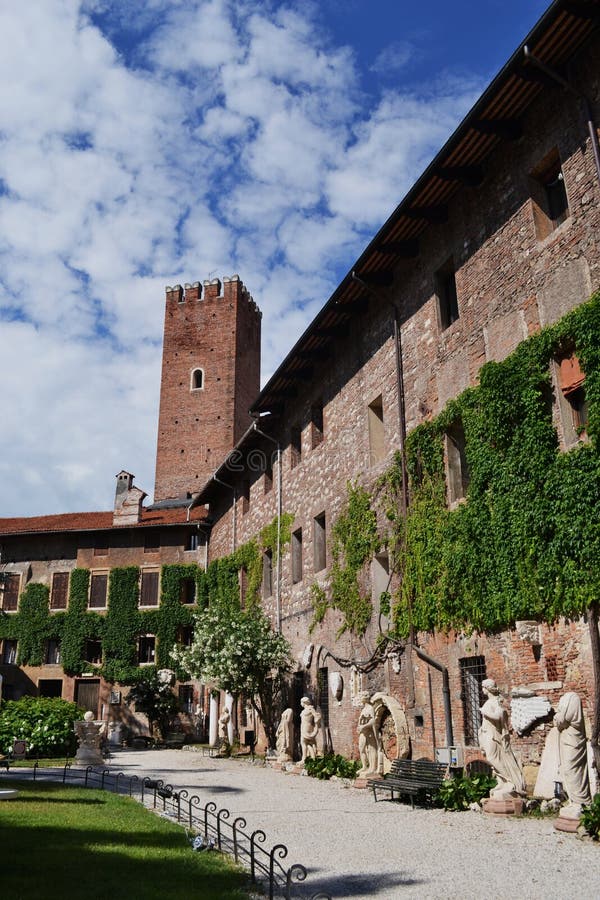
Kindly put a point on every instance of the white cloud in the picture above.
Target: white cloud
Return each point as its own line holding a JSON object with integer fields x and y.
{"x": 221, "y": 137}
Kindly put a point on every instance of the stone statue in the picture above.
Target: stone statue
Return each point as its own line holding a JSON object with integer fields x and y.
{"x": 224, "y": 745}
{"x": 310, "y": 723}
{"x": 285, "y": 736}
{"x": 89, "y": 735}
{"x": 494, "y": 741}
{"x": 573, "y": 754}
{"x": 368, "y": 739}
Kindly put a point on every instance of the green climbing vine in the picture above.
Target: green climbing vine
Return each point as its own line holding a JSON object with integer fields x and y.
{"x": 355, "y": 540}
{"x": 524, "y": 543}
{"x": 36, "y": 624}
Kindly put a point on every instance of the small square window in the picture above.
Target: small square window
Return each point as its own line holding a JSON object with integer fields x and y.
{"x": 376, "y": 431}
{"x": 549, "y": 195}
{"x": 146, "y": 649}
{"x": 192, "y": 542}
{"x": 93, "y": 651}
{"x": 267, "y": 580}
{"x": 188, "y": 591}
{"x": 457, "y": 469}
{"x": 319, "y": 542}
{"x": 9, "y": 652}
{"x": 98, "y": 591}
{"x": 445, "y": 287}
{"x": 101, "y": 545}
{"x": 316, "y": 424}
{"x": 152, "y": 542}
{"x": 185, "y": 636}
{"x": 52, "y": 654}
{"x": 149, "y": 588}
{"x": 297, "y": 556}
{"x": 295, "y": 446}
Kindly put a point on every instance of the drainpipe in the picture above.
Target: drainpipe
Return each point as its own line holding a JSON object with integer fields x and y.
{"x": 234, "y": 524}
{"x": 279, "y": 514}
{"x": 551, "y": 73}
{"x": 445, "y": 690}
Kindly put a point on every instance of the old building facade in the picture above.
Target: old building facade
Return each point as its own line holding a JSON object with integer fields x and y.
{"x": 497, "y": 242}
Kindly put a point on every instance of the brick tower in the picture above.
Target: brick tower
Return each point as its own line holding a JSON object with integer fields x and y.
{"x": 210, "y": 376}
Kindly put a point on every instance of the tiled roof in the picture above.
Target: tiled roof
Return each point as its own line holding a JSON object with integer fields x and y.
{"x": 95, "y": 521}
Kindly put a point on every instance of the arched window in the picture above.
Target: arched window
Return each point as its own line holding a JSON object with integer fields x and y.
{"x": 197, "y": 380}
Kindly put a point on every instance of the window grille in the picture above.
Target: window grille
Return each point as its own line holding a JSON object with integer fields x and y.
{"x": 472, "y": 673}
{"x": 323, "y": 695}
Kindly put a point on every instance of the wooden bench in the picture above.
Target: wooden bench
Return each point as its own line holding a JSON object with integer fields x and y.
{"x": 419, "y": 778}
{"x": 5, "y": 761}
{"x": 174, "y": 740}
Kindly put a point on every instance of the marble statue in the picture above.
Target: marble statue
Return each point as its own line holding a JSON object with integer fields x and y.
{"x": 494, "y": 741}
{"x": 285, "y": 736}
{"x": 89, "y": 735}
{"x": 574, "y": 775}
{"x": 368, "y": 739}
{"x": 224, "y": 725}
{"x": 310, "y": 723}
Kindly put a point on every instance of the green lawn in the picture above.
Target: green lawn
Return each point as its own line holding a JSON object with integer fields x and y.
{"x": 58, "y": 842}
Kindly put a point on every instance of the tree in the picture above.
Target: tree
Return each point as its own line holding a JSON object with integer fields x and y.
{"x": 238, "y": 651}
{"x": 154, "y": 697}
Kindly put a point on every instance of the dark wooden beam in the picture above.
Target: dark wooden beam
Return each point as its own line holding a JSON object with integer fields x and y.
{"x": 509, "y": 129}
{"x": 338, "y": 331}
{"x": 586, "y": 11}
{"x": 472, "y": 176}
{"x": 286, "y": 392}
{"x": 436, "y": 215}
{"x": 404, "y": 249}
{"x": 305, "y": 374}
{"x": 375, "y": 279}
{"x": 535, "y": 76}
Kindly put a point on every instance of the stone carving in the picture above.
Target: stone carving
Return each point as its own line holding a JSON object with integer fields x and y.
{"x": 545, "y": 783}
{"x": 310, "y": 723}
{"x": 529, "y": 632}
{"x": 307, "y": 655}
{"x": 285, "y": 736}
{"x": 573, "y": 754}
{"x": 494, "y": 741}
{"x": 525, "y": 711}
{"x": 336, "y": 685}
{"x": 224, "y": 725}
{"x": 89, "y": 735}
{"x": 392, "y": 730}
{"x": 368, "y": 738}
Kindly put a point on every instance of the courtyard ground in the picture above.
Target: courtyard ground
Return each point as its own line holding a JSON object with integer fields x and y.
{"x": 356, "y": 848}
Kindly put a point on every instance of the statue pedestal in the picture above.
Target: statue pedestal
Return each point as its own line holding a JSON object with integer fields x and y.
{"x": 508, "y": 806}
{"x": 362, "y": 781}
{"x": 87, "y": 756}
{"x": 563, "y": 823}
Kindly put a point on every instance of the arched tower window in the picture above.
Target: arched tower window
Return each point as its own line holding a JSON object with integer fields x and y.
{"x": 197, "y": 382}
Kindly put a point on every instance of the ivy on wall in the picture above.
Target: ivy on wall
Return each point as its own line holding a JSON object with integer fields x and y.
{"x": 355, "y": 540}
{"x": 526, "y": 542}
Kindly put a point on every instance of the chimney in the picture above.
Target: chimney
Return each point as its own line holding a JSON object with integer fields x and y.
{"x": 128, "y": 501}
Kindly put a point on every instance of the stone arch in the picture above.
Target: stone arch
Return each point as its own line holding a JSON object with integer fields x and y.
{"x": 392, "y": 727}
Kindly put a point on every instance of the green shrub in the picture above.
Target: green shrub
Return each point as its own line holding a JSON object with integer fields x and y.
{"x": 458, "y": 793}
{"x": 325, "y": 767}
{"x": 45, "y": 723}
{"x": 590, "y": 818}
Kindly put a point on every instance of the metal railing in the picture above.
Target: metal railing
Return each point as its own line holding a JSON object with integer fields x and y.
{"x": 212, "y": 825}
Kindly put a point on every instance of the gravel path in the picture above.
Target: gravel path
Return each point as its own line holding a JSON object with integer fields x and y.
{"x": 355, "y": 848}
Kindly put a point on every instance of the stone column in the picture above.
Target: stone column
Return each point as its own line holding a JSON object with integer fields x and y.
{"x": 213, "y": 720}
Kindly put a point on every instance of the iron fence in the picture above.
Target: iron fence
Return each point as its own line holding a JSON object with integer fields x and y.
{"x": 207, "y": 825}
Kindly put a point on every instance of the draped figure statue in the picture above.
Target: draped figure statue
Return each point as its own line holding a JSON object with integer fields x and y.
{"x": 494, "y": 741}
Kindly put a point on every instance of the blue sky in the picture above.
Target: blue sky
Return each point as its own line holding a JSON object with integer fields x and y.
{"x": 152, "y": 142}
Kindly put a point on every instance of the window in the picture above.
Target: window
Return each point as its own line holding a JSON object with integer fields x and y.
{"x": 197, "y": 381}
{"x": 50, "y": 687}
{"x": 572, "y": 399}
{"x": 297, "y": 556}
{"x": 295, "y": 446}
{"x": 549, "y": 196}
{"x": 185, "y": 696}
{"x": 380, "y": 580}
{"x": 52, "y": 654}
{"x": 323, "y": 695}
{"x": 152, "y": 542}
{"x": 472, "y": 673}
{"x": 267, "y": 579}
{"x": 93, "y": 651}
{"x": 376, "y": 431}
{"x": 149, "y": 588}
{"x": 445, "y": 288}
{"x": 316, "y": 424}
{"x": 245, "y": 496}
{"x": 60, "y": 590}
{"x": 9, "y": 652}
{"x": 101, "y": 545}
{"x": 243, "y": 583}
{"x": 98, "y": 591}
{"x": 192, "y": 542}
{"x": 9, "y": 586}
{"x": 187, "y": 591}
{"x": 268, "y": 473}
{"x": 457, "y": 470}
{"x": 319, "y": 543}
{"x": 146, "y": 649}
{"x": 185, "y": 635}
